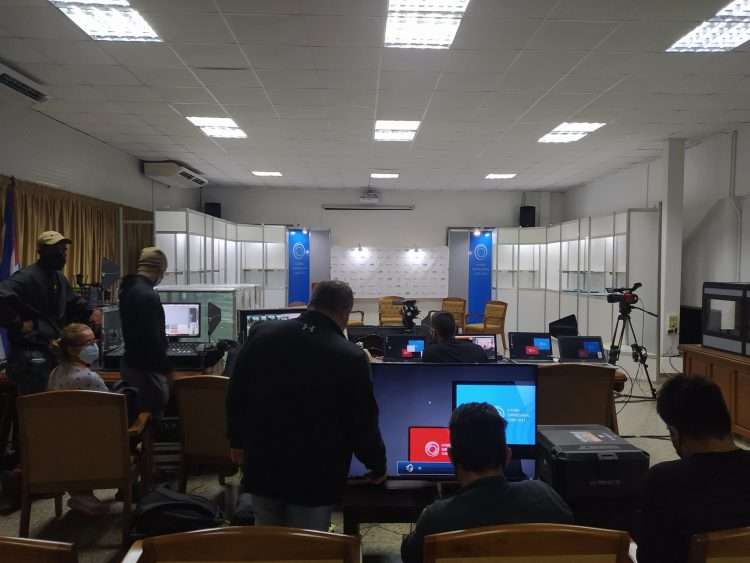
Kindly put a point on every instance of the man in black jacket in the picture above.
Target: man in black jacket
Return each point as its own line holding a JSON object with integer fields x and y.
{"x": 35, "y": 304}
{"x": 145, "y": 364}
{"x": 445, "y": 349}
{"x": 299, "y": 404}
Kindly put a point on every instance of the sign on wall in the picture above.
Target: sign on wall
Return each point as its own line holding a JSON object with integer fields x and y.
{"x": 299, "y": 266}
{"x": 480, "y": 274}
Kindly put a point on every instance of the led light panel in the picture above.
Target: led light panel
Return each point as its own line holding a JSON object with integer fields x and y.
{"x": 423, "y": 24}
{"x": 727, "y": 30}
{"x": 225, "y": 132}
{"x": 500, "y": 176}
{"x": 108, "y": 20}
{"x": 262, "y": 173}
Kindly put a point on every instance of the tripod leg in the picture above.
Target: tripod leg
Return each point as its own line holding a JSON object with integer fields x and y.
{"x": 616, "y": 346}
{"x": 642, "y": 358}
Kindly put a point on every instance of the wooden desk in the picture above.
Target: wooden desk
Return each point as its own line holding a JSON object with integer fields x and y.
{"x": 731, "y": 372}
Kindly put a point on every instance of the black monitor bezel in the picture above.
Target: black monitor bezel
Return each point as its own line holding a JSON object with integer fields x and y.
{"x": 242, "y": 315}
{"x": 526, "y": 358}
{"x": 200, "y": 319}
{"x": 561, "y": 341}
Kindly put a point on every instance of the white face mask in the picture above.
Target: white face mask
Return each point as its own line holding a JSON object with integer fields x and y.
{"x": 89, "y": 354}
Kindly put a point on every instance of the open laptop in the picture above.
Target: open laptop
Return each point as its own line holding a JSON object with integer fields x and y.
{"x": 582, "y": 349}
{"x": 530, "y": 346}
{"x": 488, "y": 342}
{"x": 404, "y": 348}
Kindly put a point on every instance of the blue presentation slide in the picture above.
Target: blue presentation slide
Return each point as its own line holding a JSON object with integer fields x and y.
{"x": 516, "y": 403}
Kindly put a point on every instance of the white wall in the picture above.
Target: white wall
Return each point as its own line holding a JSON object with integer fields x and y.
{"x": 37, "y": 148}
{"x": 425, "y": 226}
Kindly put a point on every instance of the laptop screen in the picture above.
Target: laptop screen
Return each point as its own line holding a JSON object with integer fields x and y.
{"x": 581, "y": 348}
{"x": 406, "y": 348}
{"x": 530, "y": 346}
{"x": 488, "y": 342}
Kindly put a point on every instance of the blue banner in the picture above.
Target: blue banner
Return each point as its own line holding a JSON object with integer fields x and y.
{"x": 299, "y": 266}
{"x": 480, "y": 274}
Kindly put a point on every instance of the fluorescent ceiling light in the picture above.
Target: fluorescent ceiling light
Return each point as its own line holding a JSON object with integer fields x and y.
{"x": 262, "y": 173}
{"x": 212, "y": 121}
{"x": 224, "y": 132}
{"x": 384, "y": 175}
{"x": 496, "y": 176}
{"x": 108, "y": 20}
{"x": 727, "y": 30}
{"x": 389, "y": 130}
{"x": 570, "y": 132}
{"x": 423, "y": 24}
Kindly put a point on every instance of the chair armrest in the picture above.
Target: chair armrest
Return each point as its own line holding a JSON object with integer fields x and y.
{"x": 140, "y": 424}
{"x": 134, "y": 553}
{"x": 361, "y": 315}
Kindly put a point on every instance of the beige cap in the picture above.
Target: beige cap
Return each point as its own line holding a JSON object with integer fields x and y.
{"x": 51, "y": 238}
{"x": 152, "y": 259}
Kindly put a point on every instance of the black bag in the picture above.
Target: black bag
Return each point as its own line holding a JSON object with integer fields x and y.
{"x": 164, "y": 511}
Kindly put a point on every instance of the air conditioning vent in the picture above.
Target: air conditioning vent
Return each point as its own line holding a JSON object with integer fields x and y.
{"x": 173, "y": 174}
{"x": 21, "y": 84}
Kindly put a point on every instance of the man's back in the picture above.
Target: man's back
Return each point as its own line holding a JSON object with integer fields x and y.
{"x": 300, "y": 403}
{"x": 487, "y": 502}
{"x": 701, "y": 493}
{"x": 456, "y": 352}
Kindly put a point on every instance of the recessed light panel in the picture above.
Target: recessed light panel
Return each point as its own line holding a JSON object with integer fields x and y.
{"x": 727, "y": 30}
{"x": 108, "y": 20}
{"x": 212, "y": 121}
{"x": 570, "y": 132}
{"x": 500, "y": 176}
{"x": 384, "y": 175}
{"x": 218, "y": 127}
{"x": 263, "y": 173}
{"x": 390, "y": 130}
{"x": 423, "y": 24}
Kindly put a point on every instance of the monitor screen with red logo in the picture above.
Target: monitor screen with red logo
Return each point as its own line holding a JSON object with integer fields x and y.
{"x": 429, "y": 443}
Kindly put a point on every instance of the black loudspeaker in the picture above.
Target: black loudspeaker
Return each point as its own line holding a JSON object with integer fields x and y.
{"x": 213, "y": 209}
{"x": 527, "y": 216}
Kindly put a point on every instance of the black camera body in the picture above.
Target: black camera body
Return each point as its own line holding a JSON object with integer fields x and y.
{"x": 409, "y": 312}
{"x": 625, "y": 296}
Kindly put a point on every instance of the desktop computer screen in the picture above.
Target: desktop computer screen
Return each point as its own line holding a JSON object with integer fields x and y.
{"x": 416, "y": 402}
{"x": 248, "y": 318}
{"x": 182, "y": 320}
{"x": 534, "y": 346}
{"x": 404, "y": 348}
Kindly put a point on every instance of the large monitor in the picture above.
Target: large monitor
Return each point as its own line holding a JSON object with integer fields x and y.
{"x": 248, "y": 318}
{"x": 416, "y": 402}
{"x": 182, "y": 320}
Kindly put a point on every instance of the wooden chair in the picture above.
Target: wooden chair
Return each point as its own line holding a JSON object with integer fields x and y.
{"x": 456, "y": 306}
{"x": 529, "y": 543}
{"x": 23, "y": 550}
{"x": 201, "y": 405}
{"x": 77, "y": 441}
{"x": 576, "y": 394}
{"x": 297, "y": 305}
{"x": 724, "y": 546}
{"x": 494, "y": 321}
{"x": 389, "y": 311}
{"x": 360, "y": 322}
{"x": 246, "y": 544}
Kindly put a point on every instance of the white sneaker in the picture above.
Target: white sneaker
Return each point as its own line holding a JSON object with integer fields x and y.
{"x": 88, "y": 504}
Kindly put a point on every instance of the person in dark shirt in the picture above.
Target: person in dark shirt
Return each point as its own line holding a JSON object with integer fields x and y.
{"x": 35, "y": 304}
{"x": 145, "y": 364}
{"x": 707, "y": 489}
{"x": 446, "y": 349}
{"x": 486, "y": 498}
{"x": 299, "y": 404}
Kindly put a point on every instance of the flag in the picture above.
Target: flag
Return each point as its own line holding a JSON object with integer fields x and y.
{"x": 8, "y": 263}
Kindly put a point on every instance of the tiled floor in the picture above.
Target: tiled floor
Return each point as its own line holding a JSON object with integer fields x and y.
{"x": 98, "y": 538}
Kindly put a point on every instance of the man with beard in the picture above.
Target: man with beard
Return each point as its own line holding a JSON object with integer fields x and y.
{"x": 35, "y": 304}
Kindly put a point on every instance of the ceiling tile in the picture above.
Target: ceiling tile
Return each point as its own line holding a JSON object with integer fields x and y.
{"x": 143, "y": 55}
{"x": 238, "y": 78}
{"x": 556, "y": 35}
{"x": 39, "y": 22}
{"x": 185, "y": 27}
{"x": 170, "y": 78}
{"x": 211, "y": 56}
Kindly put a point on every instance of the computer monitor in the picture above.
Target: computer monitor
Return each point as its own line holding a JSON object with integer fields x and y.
{"x": 532, "y": 346}
{"x": 566, "y": 326}
{"x": 488, "y": 342}
{"x": 416, "y": 402}
{"x": 581, "y": 349}
{"x": 182, "y": 320}
{"x": 250, "y": 317}
{"x": 404, "y": 348}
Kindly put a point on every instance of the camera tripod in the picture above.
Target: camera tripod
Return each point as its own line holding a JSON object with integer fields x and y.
{"x": 640, "y": 354}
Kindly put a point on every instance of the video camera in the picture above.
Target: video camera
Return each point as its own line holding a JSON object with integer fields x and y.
{"x": 623, "y": 295}
{"x": 409, "y": 312}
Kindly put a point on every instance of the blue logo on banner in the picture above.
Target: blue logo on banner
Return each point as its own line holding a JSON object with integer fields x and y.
{"x": 480, "y": 274}
{"x": 299, "y": 266}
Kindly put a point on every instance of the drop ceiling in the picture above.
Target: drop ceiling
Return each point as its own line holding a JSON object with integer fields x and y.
{"x": 306, "y": 80}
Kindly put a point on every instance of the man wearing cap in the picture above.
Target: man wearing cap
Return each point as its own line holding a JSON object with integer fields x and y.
{"x": 145, "y": 364}
{"x": 35, "y": 304}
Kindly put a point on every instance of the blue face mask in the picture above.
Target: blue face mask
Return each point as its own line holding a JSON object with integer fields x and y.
{"x": 89, "y": 354}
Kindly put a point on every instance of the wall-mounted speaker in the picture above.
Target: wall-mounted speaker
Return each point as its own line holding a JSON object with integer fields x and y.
{"x": 213, "y": 209}
{"x": 527, "y": 216}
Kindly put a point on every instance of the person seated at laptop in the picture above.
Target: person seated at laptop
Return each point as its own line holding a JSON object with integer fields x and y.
{"x": 708, "y": 488}
{"x": 486, "y": 498}
{"x": 446, "y": 349}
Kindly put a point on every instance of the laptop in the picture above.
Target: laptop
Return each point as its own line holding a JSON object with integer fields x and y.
{"x": 488, "y": 342}
{"x": 582, "y": 349}
{"x": 530, "y": 346}
{"x": 404, "y": 348}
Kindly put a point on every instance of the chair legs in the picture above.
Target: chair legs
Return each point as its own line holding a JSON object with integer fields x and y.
{"x": 25, "y": 523}
{"x": 58, "y": 506}
{"x": 127, "y": 509}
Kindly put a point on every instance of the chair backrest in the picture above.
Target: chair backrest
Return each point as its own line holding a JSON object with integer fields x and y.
{"x": 529, "y": 543}
{"x": 201, "y": 403}
{"x": 246, "y": 544}
{"x": 73, "y": 438}
{"x": 457, "y": 307}
{"x": 726, "y": 546}
{"x": 388, "y": 307}
{"x": 494, "y": 314}
{"x": 575, "y": 394}
{"x": 23, "y": 550}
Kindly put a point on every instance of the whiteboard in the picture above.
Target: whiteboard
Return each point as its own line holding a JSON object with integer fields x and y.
{"x": 406, "y": 272}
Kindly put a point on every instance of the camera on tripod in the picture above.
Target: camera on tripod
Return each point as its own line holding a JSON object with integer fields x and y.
{"x": 623, "y": 295}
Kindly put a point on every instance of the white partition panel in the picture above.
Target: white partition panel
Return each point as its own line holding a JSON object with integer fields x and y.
{"x": 531, "y": 305}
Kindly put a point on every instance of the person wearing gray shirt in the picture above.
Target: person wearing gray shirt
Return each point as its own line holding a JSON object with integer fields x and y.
{"x": 486, "y": 498}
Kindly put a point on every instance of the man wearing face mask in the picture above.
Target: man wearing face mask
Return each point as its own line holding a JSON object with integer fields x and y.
{"x": 145, "y": 364}
{"x": 35, "y": 303}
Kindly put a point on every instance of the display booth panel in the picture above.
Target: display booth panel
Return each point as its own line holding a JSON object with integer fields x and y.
{"x": 531, "y": 310}
{"x": 509, "y": 296}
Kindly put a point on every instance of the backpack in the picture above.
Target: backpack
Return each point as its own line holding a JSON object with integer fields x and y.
{"x": 164, "y": 511}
